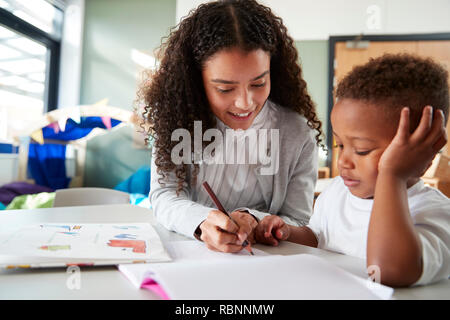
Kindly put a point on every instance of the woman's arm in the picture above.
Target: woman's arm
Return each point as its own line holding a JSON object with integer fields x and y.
{"x": 180, "y": 214}
{"x": 297, "y": 206}
{"x": 175, "y": 212}
{"x": 294, "y": 191}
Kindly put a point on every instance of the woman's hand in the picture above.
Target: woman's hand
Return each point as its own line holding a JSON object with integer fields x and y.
{"x": 220, "y": 233}
{"x": 271, "y": 229}
{"x": 247, "y": 225}
{"x": 410, "y": 155}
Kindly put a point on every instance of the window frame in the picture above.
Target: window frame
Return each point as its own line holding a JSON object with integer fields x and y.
{"x": 52, "y": 43}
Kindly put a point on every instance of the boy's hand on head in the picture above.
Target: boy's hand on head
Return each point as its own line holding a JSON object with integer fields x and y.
{"x": 271, "y": 229}
{"x": 410, "y": 155}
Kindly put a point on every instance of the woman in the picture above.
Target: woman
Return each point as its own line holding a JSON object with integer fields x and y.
{"x": 231, "y": 66}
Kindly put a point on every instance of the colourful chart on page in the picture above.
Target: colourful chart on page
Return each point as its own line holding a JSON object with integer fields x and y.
{"x": 84, "y": 241}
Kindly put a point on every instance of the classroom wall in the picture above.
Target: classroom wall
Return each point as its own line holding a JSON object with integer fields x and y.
{"x": 112, "y": 28}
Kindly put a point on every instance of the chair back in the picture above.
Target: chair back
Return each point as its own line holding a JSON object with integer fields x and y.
{"x": 89, "y": 196}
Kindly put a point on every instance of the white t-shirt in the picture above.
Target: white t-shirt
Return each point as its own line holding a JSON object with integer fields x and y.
{"x": 341, "y": 220}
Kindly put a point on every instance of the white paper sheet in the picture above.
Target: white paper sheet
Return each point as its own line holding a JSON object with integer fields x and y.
{"x": 199, "y": 273}
{"x": 184, "y": 251}
{"x": 273, "y": 277}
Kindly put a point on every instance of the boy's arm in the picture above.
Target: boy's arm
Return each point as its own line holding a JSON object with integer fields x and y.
{"x": 302, "y": 235}
{"x": 392, "y": 243}
{"x": 273, "y": 229}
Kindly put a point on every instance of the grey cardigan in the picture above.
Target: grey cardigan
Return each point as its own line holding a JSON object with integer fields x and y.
{"x": 289, "y": 193}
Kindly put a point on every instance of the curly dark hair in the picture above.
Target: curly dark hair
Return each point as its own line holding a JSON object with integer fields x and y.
{"x": 175, "y": 96}
{"x": 393, "y": 81}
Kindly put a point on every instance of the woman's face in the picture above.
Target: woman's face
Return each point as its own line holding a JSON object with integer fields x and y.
{"x": 237, "y": 84}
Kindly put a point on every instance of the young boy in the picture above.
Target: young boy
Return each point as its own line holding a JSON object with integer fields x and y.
{"x": 379, "y": 209}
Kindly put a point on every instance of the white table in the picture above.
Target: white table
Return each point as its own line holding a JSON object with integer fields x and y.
{"x": 109, "y": 283}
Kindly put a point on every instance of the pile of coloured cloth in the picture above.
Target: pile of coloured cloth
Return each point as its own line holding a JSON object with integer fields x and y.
{"x": 46, "y": 162}
{"x": 32, "y": 201}
{"x": 11, "y": 190}
{"x": 22, "y": 195}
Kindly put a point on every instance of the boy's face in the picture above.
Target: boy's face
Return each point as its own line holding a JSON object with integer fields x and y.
{"x": 362, "y": 132}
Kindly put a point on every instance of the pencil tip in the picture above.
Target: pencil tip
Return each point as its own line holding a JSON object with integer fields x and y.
{"x": 249, "y": 249}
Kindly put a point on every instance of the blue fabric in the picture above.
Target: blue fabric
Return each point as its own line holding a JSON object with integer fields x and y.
{"x": 139, "y": 200}
{"x": 47, "y": 165}
{"x": 2, "y": 206}
{"x": 46, "y": 162}
{"x": 138, "y": 182}
{"x": 74, "y": 131}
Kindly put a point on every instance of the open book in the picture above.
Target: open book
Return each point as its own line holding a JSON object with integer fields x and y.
{"x": 62, "y": 244}
{"x": 198, "y": 273}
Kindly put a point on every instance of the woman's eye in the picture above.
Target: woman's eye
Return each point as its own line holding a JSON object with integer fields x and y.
{"x": 340, "y": 146}
{"x": 259, "y": 85}
{"x": 224, "y": 90}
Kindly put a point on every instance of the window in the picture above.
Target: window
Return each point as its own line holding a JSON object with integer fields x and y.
{"x": 30, "y": 39}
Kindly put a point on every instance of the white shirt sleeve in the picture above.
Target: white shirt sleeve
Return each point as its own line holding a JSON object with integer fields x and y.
{"x": 433, "y": 229}
{"x": 175, "y": 212}
{"x": 319, "y": 219}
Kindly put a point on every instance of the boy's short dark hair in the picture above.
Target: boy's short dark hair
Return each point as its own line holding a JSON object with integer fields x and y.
{"x": 398, "y": 80}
